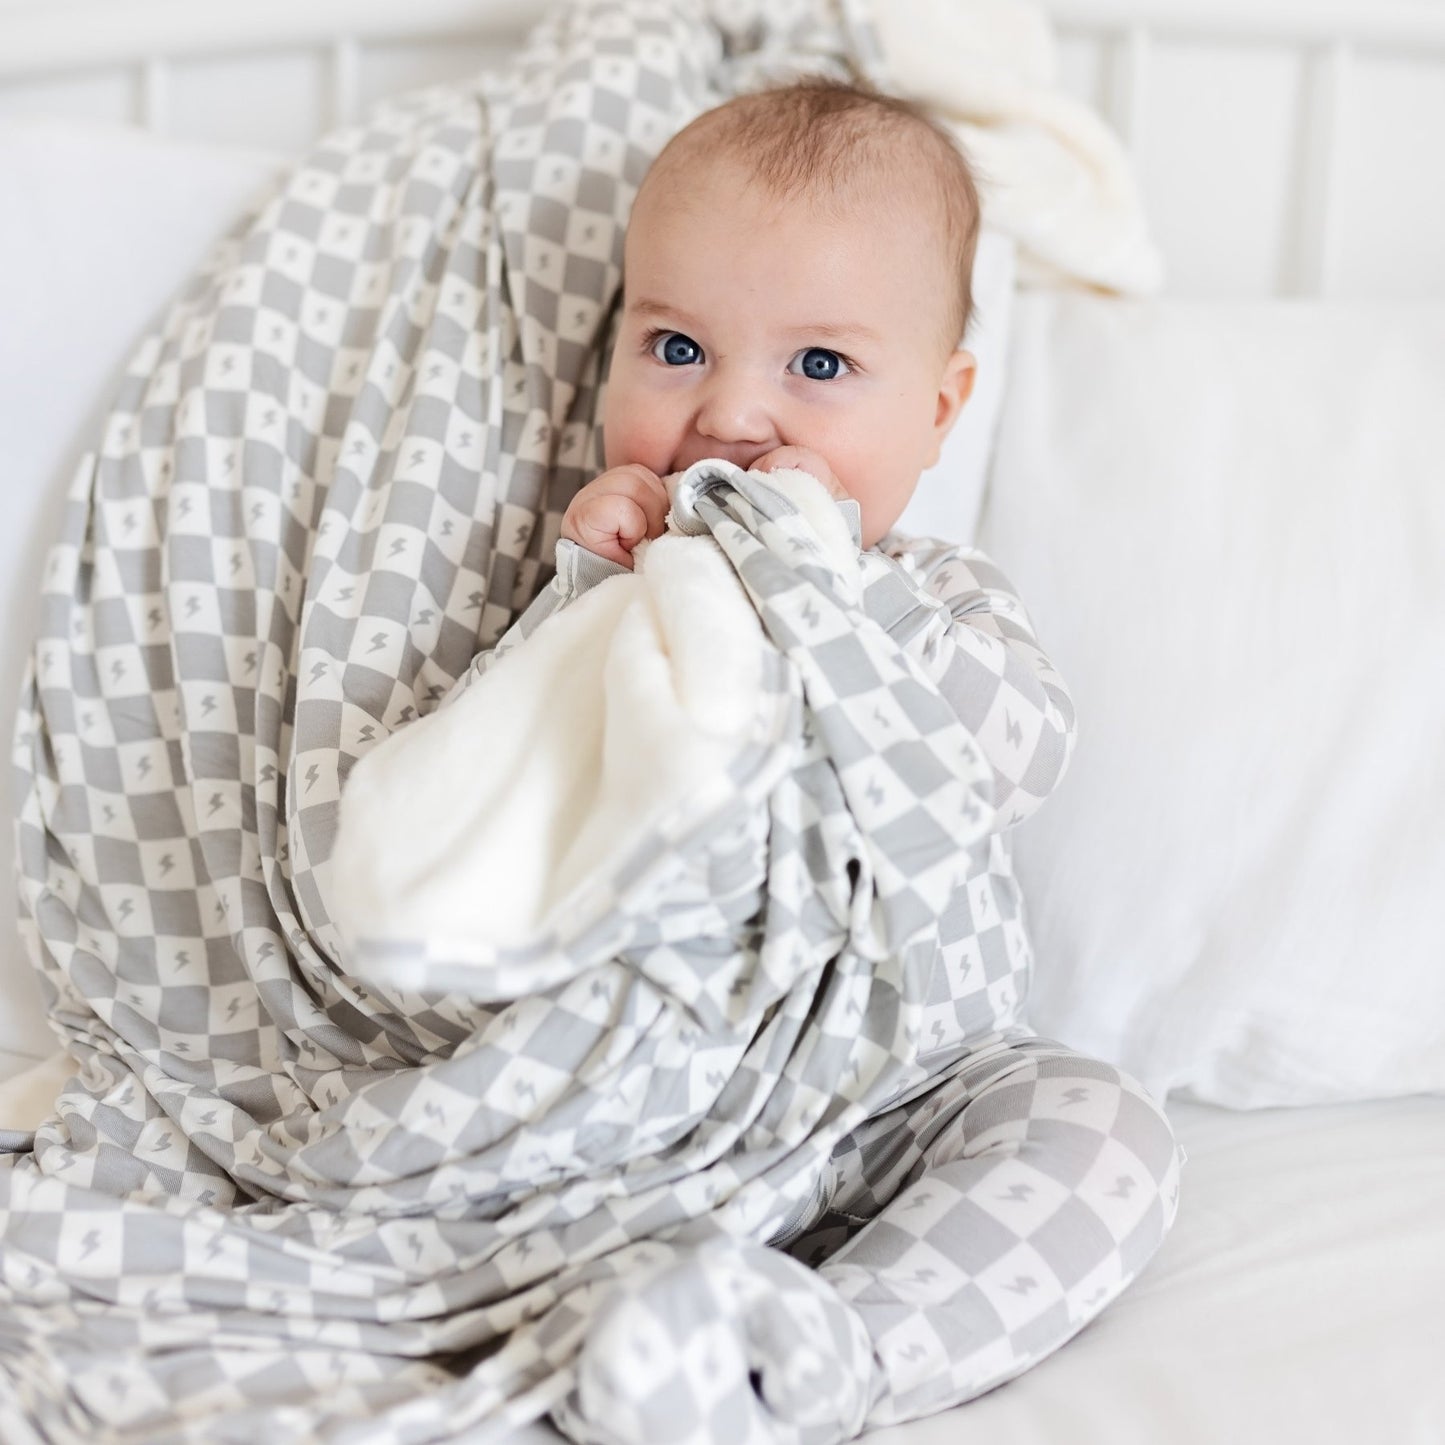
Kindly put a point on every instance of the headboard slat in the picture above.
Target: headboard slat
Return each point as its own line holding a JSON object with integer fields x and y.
{"x": 1322, "y": 120}
{"x": 155, "y": 96}
{"x": 345, "y": 96}
{"x": 1128, "y": 80}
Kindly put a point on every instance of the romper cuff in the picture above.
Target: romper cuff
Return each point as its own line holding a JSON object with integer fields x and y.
{"x": 579, "y": 570}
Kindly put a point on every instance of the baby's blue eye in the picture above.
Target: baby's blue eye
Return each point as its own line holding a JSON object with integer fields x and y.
{"x": 819, "y": 364}
{"x": 676, "y": 349}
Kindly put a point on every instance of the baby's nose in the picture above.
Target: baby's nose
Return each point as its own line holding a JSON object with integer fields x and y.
{"x": 733, "y": 410}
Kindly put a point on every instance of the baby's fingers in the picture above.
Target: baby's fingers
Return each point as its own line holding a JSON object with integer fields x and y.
{"x": 611, "y": 526}
{"x": 647, "y": 490}
{"x": 803, "y": 460}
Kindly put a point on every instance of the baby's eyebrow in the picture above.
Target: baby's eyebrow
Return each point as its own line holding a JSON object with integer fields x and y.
{"x": 645, "y": 307}
{"x": 835, "y": 331}
{"x": 823, "y": 330}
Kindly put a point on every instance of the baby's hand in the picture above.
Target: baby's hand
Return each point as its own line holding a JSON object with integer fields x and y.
{"x": 803, "y": 460}
{"x": 612, "y": 514}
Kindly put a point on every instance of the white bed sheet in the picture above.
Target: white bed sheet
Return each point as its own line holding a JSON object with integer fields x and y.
{"x": 1300, "y": 1297}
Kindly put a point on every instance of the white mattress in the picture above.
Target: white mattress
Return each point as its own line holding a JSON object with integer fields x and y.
{"x": 1299, "y": 1298}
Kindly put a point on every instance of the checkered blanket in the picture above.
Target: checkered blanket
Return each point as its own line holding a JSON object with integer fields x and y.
{"x": 277, "y": 1201}
{"x": 626, "y": 790}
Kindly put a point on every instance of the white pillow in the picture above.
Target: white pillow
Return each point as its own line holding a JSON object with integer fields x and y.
{"x": 950, "y": 493}
{"x": 100, "y": 226}
{"x": 1228, "y": 522}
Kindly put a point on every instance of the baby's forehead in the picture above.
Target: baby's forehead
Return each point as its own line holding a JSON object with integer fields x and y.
{"x": 714, "y": 181}
{"x": 859, "y": 157}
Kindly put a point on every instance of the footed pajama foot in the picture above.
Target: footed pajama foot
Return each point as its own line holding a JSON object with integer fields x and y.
{"x": 727, "y": 1341}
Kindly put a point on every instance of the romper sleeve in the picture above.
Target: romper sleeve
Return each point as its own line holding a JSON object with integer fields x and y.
{"x": 578, "y": 571}
{"x": 959, "y": 617}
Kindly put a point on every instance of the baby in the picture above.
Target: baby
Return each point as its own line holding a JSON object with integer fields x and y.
{"x": 796, "y": 290}
{"x": 796, "y": 287}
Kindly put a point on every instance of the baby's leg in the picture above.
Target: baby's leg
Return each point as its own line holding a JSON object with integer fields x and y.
{"x": 970, "y": 1233}
{"x": 977, "y": 1228}
{"x": 720, "y": 1340}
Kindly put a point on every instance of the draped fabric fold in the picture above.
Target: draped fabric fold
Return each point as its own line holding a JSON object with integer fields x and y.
{"x": 276, "y": 1197}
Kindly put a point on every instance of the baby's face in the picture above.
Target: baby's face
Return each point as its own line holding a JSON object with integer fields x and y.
{"x": 752, "y": 323}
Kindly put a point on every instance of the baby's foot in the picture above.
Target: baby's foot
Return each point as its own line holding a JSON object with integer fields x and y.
{"x": 729, "y": 1341}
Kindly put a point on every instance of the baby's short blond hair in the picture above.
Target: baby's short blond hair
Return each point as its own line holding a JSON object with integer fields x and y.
{"x": 841, "y": 141}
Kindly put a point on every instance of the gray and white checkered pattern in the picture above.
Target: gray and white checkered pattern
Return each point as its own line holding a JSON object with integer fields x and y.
{"x": 332, "y": 475}
{"x": 276, "y": 1201}
{"x": 958, "y": 1239}
{"x": 721, "y": 1341}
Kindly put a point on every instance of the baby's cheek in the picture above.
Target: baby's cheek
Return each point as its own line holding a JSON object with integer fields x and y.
{"x": 636, "y": 424}
{"x": 882, "y": 488}
{"x": 628, "y": 436}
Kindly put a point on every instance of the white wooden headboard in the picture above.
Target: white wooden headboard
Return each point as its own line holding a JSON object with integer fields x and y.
{"x": 1284, "y": 147}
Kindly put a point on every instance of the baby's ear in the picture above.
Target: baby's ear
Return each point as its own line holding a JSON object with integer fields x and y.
{"x": 953, "y": 392}
{"x": 955, "y": 389}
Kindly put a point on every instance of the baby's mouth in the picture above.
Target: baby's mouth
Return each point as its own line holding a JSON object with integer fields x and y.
{"x": 743, "y": 459}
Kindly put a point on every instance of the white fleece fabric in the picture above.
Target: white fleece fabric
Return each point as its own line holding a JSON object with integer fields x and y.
{"x": 621, "y": 710}
{"x": 1055, "y": 176}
